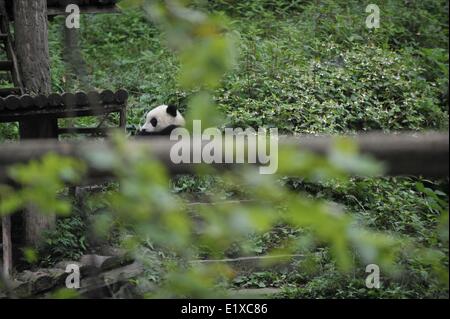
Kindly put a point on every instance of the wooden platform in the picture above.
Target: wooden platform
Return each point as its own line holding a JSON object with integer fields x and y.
{"x": 16, "y": 115}
{"x": 67, "y": 105}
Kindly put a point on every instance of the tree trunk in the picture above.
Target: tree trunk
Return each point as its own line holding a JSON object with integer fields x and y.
{"x": 31, "y": 39}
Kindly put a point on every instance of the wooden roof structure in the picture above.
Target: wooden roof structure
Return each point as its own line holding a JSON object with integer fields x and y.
{"x": 67, "y": 105}
{"x": 64, "y": 102}
{"x": 58, "y": 7}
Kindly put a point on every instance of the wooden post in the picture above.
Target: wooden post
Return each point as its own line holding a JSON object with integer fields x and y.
{"x": 73, "y": 58}
{"x": 123, "y": 119}
{"x": 7, "y": 246}
{"x": 31, "y": 39}
{"x": 121, "y": 97}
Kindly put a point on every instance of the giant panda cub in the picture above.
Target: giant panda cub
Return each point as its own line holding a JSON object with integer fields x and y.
{"x": 162, "y": 120}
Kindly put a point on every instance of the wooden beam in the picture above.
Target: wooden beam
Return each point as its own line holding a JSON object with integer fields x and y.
{"x": 413, "y": 154}
{"x": 55, "y": 100}
{"x": 41, "y": 101}
{"x": 4, "y": 92}
{"x": 26, "y": 101}
{"x": 103, "y": 131}
{"x": 108, "y": 97}
{"x": 13, "y": 102}
{"x": 67, "y": 99}
{"x": 55, "y": 11}
{"x": 7, "y": 246}
{"x": 121, "y": 96}
{"x": 6, "y": 65}
{"x": 19, "y": 114}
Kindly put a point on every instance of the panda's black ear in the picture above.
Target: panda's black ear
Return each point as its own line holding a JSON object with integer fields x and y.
{"x": 172, "y": 110}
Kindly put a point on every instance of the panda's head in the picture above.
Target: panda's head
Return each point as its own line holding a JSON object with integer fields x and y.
{"x": 162, "y": 120}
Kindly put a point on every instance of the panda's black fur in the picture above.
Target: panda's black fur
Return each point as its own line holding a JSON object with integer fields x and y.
{"x": 167, "y": 131}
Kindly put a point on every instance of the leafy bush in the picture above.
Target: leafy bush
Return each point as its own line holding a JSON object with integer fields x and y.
{"x": 313, "y": 69}
{"x": 67, "y": 241}
{"x": 305, "y": 67}
{"x": 363, "y": 89}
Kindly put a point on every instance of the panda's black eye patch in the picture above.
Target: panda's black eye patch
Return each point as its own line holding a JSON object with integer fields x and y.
{"x": 154, "y": 122}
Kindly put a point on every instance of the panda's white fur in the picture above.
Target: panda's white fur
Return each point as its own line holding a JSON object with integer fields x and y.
{"x": 161, "y": 118}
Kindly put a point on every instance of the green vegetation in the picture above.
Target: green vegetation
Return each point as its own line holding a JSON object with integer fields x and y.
{"x": 301, "y": 66}
{"x": 314, "y": 69}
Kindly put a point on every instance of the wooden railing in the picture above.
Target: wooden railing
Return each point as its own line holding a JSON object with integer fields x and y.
{"x": 404, "y": 154}
{"x": 414, "y": 154}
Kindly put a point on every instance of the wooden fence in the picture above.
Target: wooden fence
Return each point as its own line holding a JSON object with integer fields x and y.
{"x": 404, "y": 154}
{"x": 413, "y": 154}
{"x": 15, "y": 108}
